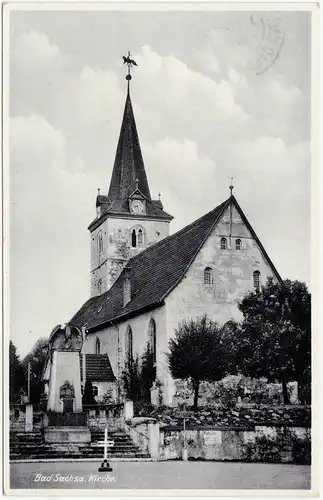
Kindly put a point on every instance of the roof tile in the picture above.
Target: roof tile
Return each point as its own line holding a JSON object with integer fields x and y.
{"x": 154, "y": 272}
{"x": 98, "y": 367}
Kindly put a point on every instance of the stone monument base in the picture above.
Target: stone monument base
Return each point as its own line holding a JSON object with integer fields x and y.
{"x": 67, "y": 435}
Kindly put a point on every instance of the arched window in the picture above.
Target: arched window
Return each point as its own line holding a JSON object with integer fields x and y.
{"x": 223, "y": 243}
{"x": 140, "y": 237}
{"x": 100, "y": 286}
{"x": 97, "y": 346}
{"x": 100, "y": 242}
{"x": 95, "y": 390}
{"x": 152, "y": 339}
{"x": 256, "y": 279}
{"x": 133, "y": 238}
{"x": 238, "y": 244}
{"x": 208, "y": 276}
{"x": 129, "y": 346}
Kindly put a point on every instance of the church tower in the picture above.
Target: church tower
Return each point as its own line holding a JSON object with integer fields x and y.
{"x": 128, "y": 220}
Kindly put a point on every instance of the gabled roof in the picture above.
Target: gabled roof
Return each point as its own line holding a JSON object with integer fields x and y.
{"x": 128, "y": 164}
{"x": 155, "y": 272}
{"x": 98, "y": 367}
{"x": 137, "y": 194}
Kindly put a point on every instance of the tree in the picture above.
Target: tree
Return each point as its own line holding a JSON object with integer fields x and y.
{"x": 275, "y": 336}
{"x": 16, "y": 374}
{"x": 88, "y": 398}
{"x": 198, "y": 352}
{"x": 131, "y": 380}
{"x": 37, "y": 358}
{"x": 147, "y": 373}
{"x": 139, "y": 376}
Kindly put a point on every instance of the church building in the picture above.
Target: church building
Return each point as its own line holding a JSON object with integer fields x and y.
{"x": 144, "y": 281}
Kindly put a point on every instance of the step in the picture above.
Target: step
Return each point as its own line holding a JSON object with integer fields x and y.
{"x": 31, "y": 446}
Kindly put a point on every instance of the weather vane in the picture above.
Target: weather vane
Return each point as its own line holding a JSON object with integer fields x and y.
{"x": 129, "y": 62}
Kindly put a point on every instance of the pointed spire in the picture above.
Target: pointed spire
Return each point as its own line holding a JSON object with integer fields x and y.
{"x": 128, "y": 165}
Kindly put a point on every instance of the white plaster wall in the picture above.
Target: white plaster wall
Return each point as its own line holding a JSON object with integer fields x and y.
{"x": 117, "y": 250}
{"x": 232, "y": 278}
{"x": 65, "y": 367}
{"x": 103, "y": 387}
{"x": 139, "y": 325}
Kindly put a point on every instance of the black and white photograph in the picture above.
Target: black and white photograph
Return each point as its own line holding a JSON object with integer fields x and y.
{"x": 158, "y": 165}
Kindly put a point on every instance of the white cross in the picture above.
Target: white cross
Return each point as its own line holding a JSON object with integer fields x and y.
{"x": 106, "y": 443}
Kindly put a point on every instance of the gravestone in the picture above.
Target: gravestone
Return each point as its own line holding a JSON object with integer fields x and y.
{"x": 154, "y": 393}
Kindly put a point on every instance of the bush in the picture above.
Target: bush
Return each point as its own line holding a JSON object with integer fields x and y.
{"x": 277, "y": 449}
{"x": 302, "y": 451}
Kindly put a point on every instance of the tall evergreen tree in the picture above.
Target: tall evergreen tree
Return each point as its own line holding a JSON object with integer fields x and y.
{"x": 37, "y": 358}
{"x": 16, "y": 375}
{"x": 88, "y": 398}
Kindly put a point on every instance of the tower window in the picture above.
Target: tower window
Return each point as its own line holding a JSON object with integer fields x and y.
{"x": 133, "y": 238}
{"x": 100, "y": 242}
{"x": 208, "y": 277}
{"x": 238, "y": 244}
{"x": 100, "y": 286}
{"x": 129, "y": 346}
{"x": 97, "y": 346}
{"x": 152, "y": 339}
{"x": 223, "y": 243}
{"x": 140, "y": 237}
{"x": 137, "y": 237}
{"x": 256, "y": 279}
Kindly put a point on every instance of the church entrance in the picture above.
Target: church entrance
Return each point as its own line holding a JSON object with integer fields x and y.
{"x": 68, "y": 405}
{"x": 67, "y": 395}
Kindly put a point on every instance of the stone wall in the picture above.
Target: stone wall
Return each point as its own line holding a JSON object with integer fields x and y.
{"x": 117, "y": 250}
{"x": 241, "y": 416}
{"x": 101, "y": 416}
{"x": 232, "y": 278}
{"x": 249, "y": 434}
{"x": 261, "y": 444}
{"x": 17, "y": 418}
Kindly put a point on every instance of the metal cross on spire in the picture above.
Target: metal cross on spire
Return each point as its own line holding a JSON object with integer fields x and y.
{"x": 129, "y": 62}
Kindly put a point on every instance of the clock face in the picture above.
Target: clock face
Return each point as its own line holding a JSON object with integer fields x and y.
{"x": 137, "y": 206}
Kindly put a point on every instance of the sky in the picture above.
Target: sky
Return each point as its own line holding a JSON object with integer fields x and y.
{"x": 207, "y": 107}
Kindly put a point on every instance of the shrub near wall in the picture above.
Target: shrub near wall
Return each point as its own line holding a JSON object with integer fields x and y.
{"x": 231, "y": 389}
{"x": 280, "y": 444}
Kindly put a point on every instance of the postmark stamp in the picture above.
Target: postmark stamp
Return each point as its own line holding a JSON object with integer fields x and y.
{"x": 271, "y": 43}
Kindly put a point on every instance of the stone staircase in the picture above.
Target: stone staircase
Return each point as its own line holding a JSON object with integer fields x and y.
{"x": 31, "y": 445}
{"x": 123, "y": 446}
